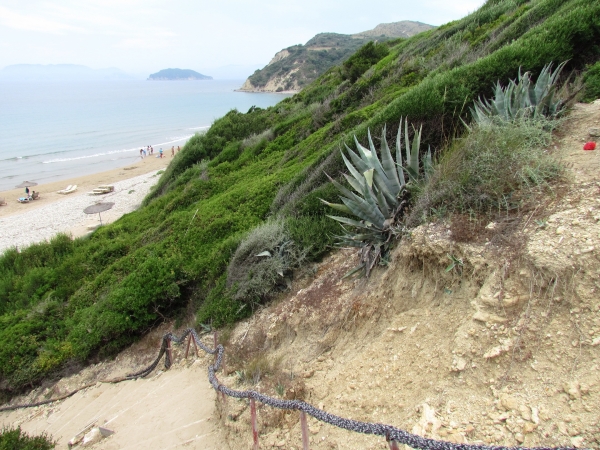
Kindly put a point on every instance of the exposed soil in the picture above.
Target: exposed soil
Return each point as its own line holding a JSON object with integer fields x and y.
{"x": 503, "y": 350}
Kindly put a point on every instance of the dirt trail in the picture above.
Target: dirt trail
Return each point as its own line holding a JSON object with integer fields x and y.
{"x": 168, "y": 410}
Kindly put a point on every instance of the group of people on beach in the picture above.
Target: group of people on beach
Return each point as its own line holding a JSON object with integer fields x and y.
{"x": 150, "y": 150}
{"x": 30, "y": 195}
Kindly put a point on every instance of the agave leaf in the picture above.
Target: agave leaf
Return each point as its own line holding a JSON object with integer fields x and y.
{"x": 341, "y": 188}
{"x": 355, "y": 173}
{"x": 414, "y": 162}
{"x": 387, "y": 163}
{"x": 365, "y": 211}
{"x": 353, "y": 271}
{"x": 371, "y": 146}
{"x": 399, "y": 169}
{"x": 356, "y": 183}
{"x": 360, "y": 165}
{"x": 386, "y": 188}
{"x": 383, "y": 205}
{"x": 347, "y": 221}
{"x": 338, "y": 206}
{"x": 369, "y": 177}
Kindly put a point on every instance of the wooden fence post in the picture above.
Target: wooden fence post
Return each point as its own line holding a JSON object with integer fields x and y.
{"x": 254, "y": 426}
{"x": 304, "y": 427}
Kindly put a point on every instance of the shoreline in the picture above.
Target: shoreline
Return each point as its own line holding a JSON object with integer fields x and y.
{"x": 24, "y": 224}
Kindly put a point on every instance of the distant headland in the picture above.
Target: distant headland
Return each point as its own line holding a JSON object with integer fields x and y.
{"x": 178, "y": 74}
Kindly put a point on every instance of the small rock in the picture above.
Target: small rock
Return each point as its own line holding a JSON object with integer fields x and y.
{"x": 314, "y": 429}
{"x": 509, "y": 403}
{"x": 482, "y": 316}
{"x": 572, "y": 388}
{"x": 562, "y": 427}
{"x": 280, "y": 444}
{"x": 525, "y": 412}
{"x": 560, "y": 230}
{"x": 529, "y": 427}
{"x": 577, "y": 441}
{"x": 519, "y": 438}
{"x": 594, "y": 132}
{"x": 469, "y": 429}
{"x": 308, "y": 374}
{"x": 458, "y": 364}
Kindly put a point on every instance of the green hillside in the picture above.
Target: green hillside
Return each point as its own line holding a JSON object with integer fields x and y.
{"x": 68, "y": 302}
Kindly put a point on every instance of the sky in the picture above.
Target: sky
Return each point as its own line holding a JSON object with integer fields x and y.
{"x": 145, "y": 36}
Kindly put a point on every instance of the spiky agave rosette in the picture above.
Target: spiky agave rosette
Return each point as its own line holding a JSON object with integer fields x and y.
{"x": 380, "y": 196}
{"x": 522, "y": 98}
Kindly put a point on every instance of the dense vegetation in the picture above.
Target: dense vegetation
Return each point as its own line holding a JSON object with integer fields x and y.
{"x": 16, "y": 439}
{"x": 68, "y": 301}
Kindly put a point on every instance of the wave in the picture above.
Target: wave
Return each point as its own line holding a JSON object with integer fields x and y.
{"x": 204, "y": 127}
{"x": 113, "y": 152}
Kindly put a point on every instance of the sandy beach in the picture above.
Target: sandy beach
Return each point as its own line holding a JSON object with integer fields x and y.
{"x": 25, "y": 223}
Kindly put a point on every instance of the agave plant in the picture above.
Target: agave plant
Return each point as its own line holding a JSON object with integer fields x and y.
{"x": 380, "y": 196}
{"x": 522, "y": 98}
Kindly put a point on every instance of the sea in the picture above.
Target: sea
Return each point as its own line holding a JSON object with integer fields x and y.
{"x": 50, "y": 130}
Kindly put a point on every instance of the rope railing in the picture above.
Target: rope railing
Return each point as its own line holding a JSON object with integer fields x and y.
{"x": 393, "y": 435}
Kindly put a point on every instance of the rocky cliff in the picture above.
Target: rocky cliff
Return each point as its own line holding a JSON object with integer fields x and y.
{"x": 297, "y": 66}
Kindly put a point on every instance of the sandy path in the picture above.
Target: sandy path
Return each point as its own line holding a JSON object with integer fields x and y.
{"x": 167, "y": 410}
{"x": 171, "y": 410}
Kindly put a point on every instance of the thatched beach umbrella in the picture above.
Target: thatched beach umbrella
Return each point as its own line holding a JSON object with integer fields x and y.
{"x": 98, "y": 208}
{"x": 26, "y": 184}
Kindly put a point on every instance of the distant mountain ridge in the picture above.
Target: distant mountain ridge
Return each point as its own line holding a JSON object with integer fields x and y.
{"x": 299, "y": 65}
{"x": 60, "y": 72}
{"x": 178, "y": 74}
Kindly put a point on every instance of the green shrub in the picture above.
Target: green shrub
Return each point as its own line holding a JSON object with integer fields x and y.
{"x": 492, "y": 169}
{"x": 364, "y": 58}
{"x": 263, "y": 263}
{"x": 16, "y": 439}
{"x": 592, "y": 83}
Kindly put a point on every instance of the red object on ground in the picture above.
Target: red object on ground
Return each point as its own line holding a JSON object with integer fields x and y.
{"x": 589, "y": 146}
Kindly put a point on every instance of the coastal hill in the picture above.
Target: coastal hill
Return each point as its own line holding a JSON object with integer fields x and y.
{"x": 177, "y": 74}
{"x": 482, "y": 313}
{"x": 60, "y": 72}
{"x": 297, "y": 66}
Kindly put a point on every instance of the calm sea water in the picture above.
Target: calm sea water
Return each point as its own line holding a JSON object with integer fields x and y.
{"x": 51, "y": 131}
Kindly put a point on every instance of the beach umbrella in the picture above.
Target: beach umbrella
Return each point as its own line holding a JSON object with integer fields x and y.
{"x": 98, "y": 208}
{"x": 26, "y": 184}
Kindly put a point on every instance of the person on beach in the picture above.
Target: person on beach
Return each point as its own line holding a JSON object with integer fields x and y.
{"x": 178, "y": 149}
{"x": 172, "y": 151}
{"x": 141, "y": 153}
{"x": 151, "y": 150}
{"x": 26, "y": 191}
{"x": 160, "y": 152}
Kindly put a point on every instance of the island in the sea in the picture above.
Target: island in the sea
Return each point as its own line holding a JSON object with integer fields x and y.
{"x": 178, "y": 74}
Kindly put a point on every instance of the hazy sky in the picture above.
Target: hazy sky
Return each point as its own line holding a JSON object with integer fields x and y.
{"x": 144, "y": 36}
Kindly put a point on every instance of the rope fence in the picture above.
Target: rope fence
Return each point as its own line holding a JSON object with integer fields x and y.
{"x": 393, "y": 435}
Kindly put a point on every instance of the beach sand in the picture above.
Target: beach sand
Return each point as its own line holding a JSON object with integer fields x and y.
{"x": 25, "y": 223}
